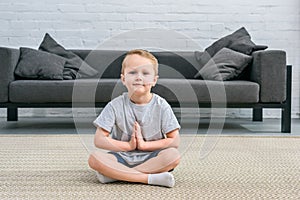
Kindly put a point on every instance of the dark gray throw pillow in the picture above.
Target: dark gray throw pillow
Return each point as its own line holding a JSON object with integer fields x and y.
{"x": 34, "y": 64}
{"x": 239, "y": 41}
{"x": 75, "y": 67}
{"x": 225, "y": 65}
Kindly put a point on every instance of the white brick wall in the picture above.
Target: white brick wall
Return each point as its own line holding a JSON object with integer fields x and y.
{"x": 87, "y": 24}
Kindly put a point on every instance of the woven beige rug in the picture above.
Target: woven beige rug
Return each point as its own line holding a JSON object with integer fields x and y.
{"x": 223, "y": 167}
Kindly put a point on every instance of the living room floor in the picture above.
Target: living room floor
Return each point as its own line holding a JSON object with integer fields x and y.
{"x": 46, "y": 158}
{"x": 231, "y": 126}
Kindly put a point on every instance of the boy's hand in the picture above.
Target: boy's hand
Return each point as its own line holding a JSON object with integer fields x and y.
{"x": 133, "y": 140}
{"x": 140, "y": 143}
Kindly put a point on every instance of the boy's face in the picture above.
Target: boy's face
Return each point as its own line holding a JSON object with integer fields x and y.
{"x": 139, "y": 75}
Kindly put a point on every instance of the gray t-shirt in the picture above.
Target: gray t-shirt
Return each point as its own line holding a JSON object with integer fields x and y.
{"x": 155, "y": 118}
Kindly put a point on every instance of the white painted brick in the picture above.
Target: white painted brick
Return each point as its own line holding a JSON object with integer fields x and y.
{"x": 113, "y": 17}
{"x": 24, "y": 41}
{"x": 22, "y": 25}
{"x": 185, "y": 25}
{"x": 9, "y": 33}
{"x": 79, "y": 17}
{"x": 98, "y": 8}
{"x": 73, "y": 8}
{"x": 4, "y": 24}
{"x": 4, "y": 40}
{"x": 74, "y": 42}
{"x": 282, "y": 27}
{"x": 68, "y": 25}
{"x": 8, "y": 15}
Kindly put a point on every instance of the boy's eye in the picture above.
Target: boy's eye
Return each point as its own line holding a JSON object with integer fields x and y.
{"x": 146, "y": 73}
{"x": 132, "y": 72}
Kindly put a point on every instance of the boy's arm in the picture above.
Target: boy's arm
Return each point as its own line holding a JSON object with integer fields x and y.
{"x": 103, "y": 141}
{"x": 172, "y": 140}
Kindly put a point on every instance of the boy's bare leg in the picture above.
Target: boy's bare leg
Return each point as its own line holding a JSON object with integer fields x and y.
{"x": 108, "y": 165}
{"x": 166, "y": 160}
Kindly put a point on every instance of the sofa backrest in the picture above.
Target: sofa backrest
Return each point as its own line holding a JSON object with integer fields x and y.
{"x": 177, "y": 64}
{"x": 171, "y": 64}
{"x": 8, "y": 61}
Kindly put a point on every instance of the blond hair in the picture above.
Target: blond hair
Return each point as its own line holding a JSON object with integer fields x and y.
{"x": 142, "y": 53}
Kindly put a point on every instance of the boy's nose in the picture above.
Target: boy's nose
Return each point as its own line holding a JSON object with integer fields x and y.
{"x": 139, "y": 76}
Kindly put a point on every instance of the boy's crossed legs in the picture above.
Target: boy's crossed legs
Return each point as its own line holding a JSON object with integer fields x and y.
{"x": 153, "y": 171}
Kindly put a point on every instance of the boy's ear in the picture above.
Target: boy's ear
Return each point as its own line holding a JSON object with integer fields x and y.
{"x": 155, "y": 80}
{"x": 123, "y": 79}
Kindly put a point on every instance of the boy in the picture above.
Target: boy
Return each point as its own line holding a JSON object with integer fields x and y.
{"x": 144, "y": 130}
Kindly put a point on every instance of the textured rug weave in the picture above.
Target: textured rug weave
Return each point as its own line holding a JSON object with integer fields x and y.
{"x": 225, "y": 167}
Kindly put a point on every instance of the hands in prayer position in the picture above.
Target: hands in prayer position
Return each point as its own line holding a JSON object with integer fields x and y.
{"x": 137, "y": 141}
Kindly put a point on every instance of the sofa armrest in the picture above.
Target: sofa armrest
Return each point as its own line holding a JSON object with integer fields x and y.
{"x": 8, "y": 60}
{"x": 269, "y": 71}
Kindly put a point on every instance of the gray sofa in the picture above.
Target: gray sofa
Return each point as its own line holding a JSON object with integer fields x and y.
{"x": 265, "y": 84}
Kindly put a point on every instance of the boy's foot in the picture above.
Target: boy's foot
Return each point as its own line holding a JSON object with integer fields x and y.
{"x": 104, "y": 179}
{"x": 163, "y": 179}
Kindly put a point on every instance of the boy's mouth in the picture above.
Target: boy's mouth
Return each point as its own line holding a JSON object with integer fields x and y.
{"x": 138, "y": 84}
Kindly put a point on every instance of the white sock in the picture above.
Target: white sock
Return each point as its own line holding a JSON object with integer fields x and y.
{"x": 163, "y": 179}
{"x": 104, "y": 179}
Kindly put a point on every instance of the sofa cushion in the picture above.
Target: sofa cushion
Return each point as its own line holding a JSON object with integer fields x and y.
{"x": 102, "y": 91}
{"x": 67, "y": 91}
{"x": 34, "y": 64}
{"x": 225, "y": 65}
{"x": 240, "y": 41}
{"x": 206, "y": 91}
{"x": 75, "y": 67}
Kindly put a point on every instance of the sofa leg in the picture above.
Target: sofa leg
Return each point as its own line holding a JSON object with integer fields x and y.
{"x": 12, "y": 114}
{"x": 257, "y": 114}
{"x": 286, "y": 120}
